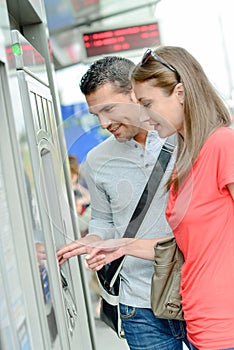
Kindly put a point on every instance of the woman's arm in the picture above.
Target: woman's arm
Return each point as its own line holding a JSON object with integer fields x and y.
{"x": 231, "y": 189}
{"x": 106, "y": 251}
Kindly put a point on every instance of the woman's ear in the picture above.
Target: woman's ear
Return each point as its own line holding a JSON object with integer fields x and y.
{"x": 133, "y": 96}
{"x": 179, "y": 91}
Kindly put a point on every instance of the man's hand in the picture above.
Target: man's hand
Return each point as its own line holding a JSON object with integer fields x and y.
{"x": 78, "y": 247}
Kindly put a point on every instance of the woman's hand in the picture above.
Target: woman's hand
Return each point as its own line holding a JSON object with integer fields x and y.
{"x": 106, "y": 251}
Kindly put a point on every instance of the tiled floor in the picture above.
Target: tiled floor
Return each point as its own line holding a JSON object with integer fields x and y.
{"x": 107, "y": 339}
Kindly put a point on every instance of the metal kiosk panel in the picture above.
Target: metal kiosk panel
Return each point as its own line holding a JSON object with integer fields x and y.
{"x": 64, "y": 299}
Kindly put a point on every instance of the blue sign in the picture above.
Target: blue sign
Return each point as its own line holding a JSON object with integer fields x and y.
{"x": 82, "y": 130}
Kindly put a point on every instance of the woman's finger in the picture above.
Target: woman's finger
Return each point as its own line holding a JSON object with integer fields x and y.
{"x": 95, "y": 262}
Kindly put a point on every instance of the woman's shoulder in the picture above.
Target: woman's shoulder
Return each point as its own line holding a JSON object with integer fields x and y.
{"x": 221, "y": 135}
{"x": 224, "y": 131}
{"x": 220, "y": 142}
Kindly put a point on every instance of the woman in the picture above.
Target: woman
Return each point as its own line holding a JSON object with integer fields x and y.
{"x": 177, "y": 96}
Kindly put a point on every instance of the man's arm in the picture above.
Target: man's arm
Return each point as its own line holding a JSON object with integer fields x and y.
{"x": 78, "y": 247}
{"x": 101, "y": 224}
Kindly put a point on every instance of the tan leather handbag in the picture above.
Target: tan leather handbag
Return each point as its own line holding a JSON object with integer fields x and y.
{"x": 165, "y": 288}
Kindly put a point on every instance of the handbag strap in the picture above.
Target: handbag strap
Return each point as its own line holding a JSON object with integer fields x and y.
{"x": 144, "y": 202}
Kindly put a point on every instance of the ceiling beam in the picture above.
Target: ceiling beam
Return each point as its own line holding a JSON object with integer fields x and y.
{"x": 88, "y": 21}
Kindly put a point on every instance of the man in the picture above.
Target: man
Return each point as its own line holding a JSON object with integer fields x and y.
{"x": 116, "y": 173}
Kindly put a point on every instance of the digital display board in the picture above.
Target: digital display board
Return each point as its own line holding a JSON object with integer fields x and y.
{"x": 121, "y": 39}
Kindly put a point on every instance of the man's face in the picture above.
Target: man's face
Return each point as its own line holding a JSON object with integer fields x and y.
{"x": 117, "y": 113}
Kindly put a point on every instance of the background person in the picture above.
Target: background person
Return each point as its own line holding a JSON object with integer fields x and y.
{"x": 116, "y": 173}
{"x": 82, "y": 196}
{"x": 177, "y": 95}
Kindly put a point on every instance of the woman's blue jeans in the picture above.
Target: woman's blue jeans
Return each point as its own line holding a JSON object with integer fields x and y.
{"x": 145, "y": 331}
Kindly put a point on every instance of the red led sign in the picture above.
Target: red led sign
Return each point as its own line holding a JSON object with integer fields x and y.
{"x": 121, "y": 39}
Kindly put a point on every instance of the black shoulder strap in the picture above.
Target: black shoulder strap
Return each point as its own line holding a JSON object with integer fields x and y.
{"x": 144, "y": 202}
{"x": 150, "y": 188}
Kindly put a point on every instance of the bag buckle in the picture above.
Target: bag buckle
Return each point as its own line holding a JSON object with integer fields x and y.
{"x": 107, "y": 286}
{"x": 173, "y": 307}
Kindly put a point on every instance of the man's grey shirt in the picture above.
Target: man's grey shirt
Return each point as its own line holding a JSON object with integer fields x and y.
{"x": 116, "y": 174}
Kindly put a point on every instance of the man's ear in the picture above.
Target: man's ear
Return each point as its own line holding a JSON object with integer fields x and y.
{"x": 179, "y": 91}
{"x": 133, "y": 96}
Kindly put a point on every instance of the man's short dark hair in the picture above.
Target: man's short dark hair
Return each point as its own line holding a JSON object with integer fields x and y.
{"x": 110, "y": 69}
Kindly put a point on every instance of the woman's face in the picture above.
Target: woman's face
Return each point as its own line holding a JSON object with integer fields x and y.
{"x": 165, "y": 113}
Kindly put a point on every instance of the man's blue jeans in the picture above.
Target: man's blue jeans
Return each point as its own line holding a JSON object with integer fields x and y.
{"x": 144, "y": 331}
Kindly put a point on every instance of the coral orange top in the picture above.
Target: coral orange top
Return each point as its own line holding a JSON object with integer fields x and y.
{"x": 201, "y": 216}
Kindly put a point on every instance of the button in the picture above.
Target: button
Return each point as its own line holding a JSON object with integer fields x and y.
{"x": 142, "y": 155}
{"x": 147, "y": 165}
{"x": 136, "y": 146}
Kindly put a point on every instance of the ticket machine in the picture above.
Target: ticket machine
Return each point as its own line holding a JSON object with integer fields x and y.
{"x": 64, "y": 302}
{"x": 43, "y": 306}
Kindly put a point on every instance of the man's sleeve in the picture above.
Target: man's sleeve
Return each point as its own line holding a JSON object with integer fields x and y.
{"x": 101, "y": 222}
